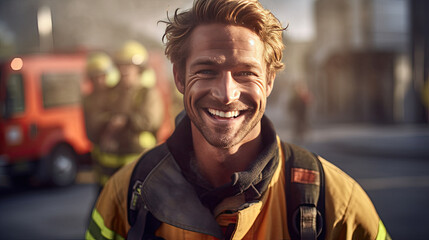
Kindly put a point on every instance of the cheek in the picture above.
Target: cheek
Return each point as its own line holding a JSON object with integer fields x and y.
{"x": 197, "y": 88}
{"x": 194, "y": 91}
{"x": 257, "y": 92}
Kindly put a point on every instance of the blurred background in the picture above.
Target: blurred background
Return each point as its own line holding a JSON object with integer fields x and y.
{"x": 355, "y": 90}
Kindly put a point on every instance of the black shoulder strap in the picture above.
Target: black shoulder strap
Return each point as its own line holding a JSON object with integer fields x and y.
{"x": 305, "y": 193}
{"x": 143, "y": 223}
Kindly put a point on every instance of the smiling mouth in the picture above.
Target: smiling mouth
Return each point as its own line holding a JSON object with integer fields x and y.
{"x": 222, "y": 114}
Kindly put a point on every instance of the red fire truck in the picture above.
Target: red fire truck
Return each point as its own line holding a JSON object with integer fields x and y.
{"x": 42, "y": 132}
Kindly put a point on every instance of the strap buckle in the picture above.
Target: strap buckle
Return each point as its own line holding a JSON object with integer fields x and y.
{"x": 136, "y": 194}
{"x": 308, "y": 222}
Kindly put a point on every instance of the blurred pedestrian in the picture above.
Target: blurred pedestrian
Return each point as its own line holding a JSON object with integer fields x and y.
{"x": 298, "y": 107}
{"x": 135, "y": 110}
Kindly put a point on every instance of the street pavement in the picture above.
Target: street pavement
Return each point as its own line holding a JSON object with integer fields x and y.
{"x": 390, "y": 162}
{"x": 374, "y": 140}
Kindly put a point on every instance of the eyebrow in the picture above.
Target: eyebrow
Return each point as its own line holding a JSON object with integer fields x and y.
{"x": 205, "y": 61}
{"x": 213, "y": 62}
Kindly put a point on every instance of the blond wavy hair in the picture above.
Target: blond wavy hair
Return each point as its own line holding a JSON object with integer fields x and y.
{"x": 247, "y": 13}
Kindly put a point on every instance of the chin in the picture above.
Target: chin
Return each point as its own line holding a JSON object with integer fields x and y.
{"x": 221, "y": 143}
{"x": 224, "y": 140}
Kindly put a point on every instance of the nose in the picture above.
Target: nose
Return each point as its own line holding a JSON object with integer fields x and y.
{"x": 226, "y": 89}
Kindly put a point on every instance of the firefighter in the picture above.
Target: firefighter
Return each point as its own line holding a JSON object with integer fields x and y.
{"x": 101, "y": 73}
{"x": 135, "y": 111}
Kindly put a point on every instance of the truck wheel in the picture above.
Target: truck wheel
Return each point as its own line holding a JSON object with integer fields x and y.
{"x": 63, "y": 166}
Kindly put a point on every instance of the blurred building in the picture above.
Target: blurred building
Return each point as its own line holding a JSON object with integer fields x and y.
{"x": 420, "y": 60}
{"x": 367, "y": 63}
{"x": 361, "y": 67}
{"x": 40, "y": 26}
{"x": 77, "y": 24}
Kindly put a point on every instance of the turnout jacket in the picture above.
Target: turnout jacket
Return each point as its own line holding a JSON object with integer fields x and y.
{"x": 252, "y": 206}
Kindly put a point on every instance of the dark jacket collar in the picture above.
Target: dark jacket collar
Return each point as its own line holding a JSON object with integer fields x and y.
{"x": 252, "y": 182}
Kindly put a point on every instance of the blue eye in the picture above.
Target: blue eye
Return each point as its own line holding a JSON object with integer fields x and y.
{"x": 206, "y": 72}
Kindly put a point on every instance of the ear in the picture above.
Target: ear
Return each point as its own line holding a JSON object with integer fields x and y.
{"x": 180, "y": 83}
{"x": 270, "y": 83}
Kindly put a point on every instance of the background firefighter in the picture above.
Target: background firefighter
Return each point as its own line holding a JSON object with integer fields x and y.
{"x": 135, "y": 112}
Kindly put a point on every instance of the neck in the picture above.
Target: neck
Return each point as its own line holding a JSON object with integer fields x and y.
{"x": 218, "y": 164}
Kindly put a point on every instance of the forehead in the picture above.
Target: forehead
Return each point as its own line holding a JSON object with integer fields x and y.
{"x": 224, "y": 40}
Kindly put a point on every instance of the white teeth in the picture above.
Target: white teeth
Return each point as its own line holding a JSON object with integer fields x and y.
{"x": 229, "y": 114}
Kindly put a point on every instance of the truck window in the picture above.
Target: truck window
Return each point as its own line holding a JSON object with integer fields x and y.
{"x": 59, "y": 89}
{"x": 15, "y": 99}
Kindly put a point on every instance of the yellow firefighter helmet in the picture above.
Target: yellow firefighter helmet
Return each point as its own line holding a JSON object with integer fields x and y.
{"x": 100, "y": 63}
{"x": 132, "y": 52}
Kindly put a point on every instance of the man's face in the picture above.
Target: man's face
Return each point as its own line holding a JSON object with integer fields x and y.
{"x": 130, "y": 74}
{"x": 225, "y": 87}
{"x": 99, "y": 81}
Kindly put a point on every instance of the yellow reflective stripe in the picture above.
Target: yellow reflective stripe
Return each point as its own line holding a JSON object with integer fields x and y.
{"x": 88, "y": 236}
{"x": 113, "y": 160}
{"x": 106, "y": 232}
{"x": 382, "y": 233}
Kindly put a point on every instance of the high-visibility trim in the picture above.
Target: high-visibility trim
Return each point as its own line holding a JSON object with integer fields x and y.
{"x": 97, "y": 229}
{"x": 112, "y": 160}
{"x": 94, "y": 232}
{"x": 382, "y": 233}
{"x": 88, "y": 236}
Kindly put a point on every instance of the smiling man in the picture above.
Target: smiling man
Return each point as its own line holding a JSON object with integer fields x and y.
{"x": 224, "y": 173}
{"x": 225, "y": 87}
